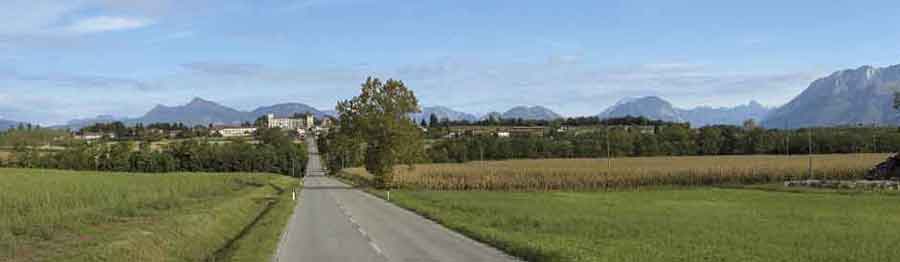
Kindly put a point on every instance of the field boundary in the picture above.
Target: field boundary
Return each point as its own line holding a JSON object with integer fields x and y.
{"x": 225, "y": 251}
{"x": 287, "y": 228}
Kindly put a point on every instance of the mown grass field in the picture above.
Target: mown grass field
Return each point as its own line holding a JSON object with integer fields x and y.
{"x": 48, "y": 215}
{"x": 726, "y": 208}
{"x": 687, "y": 224}
{"x": 595, "y": 174}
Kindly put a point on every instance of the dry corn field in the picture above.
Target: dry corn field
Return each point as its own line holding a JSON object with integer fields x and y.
{"x": 594, "y": 174}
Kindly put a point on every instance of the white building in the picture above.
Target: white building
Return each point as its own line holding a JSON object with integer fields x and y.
{"x": 290, "y": 123}
{"x": 235, "y": 131}
{"x": 94, "y": 136}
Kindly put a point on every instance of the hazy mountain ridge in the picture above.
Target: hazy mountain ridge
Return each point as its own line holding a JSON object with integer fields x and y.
{"x": 442, "y": 113}
{"x": 495, "y": 115}
{"x": 651, "y": 107}
{"x": 530, "y": 113}
{"x": 656, "y": 108}
{"x": 705, "y": 115}
{"x": 848, "y": 97}
{"x": 287, "y": 110}
{"x": 7, "y": 124}
{"x": 200, "y": 112}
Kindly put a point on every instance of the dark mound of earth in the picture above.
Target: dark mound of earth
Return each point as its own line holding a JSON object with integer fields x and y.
{"x": 887, "y": 170}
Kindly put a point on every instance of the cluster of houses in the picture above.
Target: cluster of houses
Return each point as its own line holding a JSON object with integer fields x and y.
{"x": 300, "y": 125}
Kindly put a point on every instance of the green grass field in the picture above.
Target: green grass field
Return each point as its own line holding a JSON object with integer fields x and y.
{"x": 87, "y": 216}
{"x": 699, "y": 224}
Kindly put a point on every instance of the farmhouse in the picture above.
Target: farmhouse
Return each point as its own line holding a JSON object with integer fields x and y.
{"x": 94, "y": 136}
{"x": 225, "y": 131}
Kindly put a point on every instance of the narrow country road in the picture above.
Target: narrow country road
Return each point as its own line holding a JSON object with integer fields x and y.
{"x": 334, "y": 222}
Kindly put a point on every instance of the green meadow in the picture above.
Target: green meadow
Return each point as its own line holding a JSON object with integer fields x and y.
{"x": 673, "y": 224}
{"x": 50, "y": 215}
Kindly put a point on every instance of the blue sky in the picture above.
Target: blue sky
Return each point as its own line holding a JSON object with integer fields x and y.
{"x": 81, "y": 58}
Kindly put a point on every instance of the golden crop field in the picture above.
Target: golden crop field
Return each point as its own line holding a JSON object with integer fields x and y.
{"x": 595, "y": 174}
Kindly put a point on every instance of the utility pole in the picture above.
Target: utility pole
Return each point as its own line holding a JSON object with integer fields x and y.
{"x": 481, "y": 150}
{"x": 810, "y": 164}
{"x": 875, "y": 141}
{"x": 874, "y": 137}
{"x": 608, "y": 153}
{"x": 787, "y": 138}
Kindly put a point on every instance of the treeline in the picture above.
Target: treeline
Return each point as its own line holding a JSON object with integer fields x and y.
{"x": 276, "y": 153}
{"x": 434, "y": 122}
{"x": 668, "y": 141}
{"x": 154, "y": 132}
{"x": 33, "y": 136}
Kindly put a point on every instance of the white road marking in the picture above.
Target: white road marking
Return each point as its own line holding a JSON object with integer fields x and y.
{"x": 374, "y": 246}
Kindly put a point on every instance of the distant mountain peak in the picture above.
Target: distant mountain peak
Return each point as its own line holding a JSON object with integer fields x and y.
{"x": 530, "y": 113}
{"x": 199, "y": 101}
{"x": 652, "y": 107}
{"x": 847, "y": 97}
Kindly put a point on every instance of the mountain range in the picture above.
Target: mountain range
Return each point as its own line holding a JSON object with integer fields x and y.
{"x": 202, "y": 112}
{"x": 705, "y": 115}
{"x": 659, "y": 109}
{"x": 442, "y": 113}
{"x": 519, "y": 112}
{"x": 848, "y": 97}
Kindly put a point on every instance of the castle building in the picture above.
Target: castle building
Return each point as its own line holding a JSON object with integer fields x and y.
{"x": 290, "y": 123}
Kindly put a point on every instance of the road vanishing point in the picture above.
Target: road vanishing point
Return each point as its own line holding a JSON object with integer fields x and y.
{"x": 335, "y": 222}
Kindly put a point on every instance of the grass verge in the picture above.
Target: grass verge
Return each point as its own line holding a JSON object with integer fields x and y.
{"x": 48, "y": 215}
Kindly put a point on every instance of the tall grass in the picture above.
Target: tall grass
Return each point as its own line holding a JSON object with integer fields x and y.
{"x": 47, "y": 214}
{"x": 594, "y": 174}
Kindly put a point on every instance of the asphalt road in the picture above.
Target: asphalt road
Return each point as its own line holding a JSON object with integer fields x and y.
{"x": 334, "y": 222}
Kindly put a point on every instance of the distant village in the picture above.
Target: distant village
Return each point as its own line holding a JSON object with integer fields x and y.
{"x": 300, "y": 125}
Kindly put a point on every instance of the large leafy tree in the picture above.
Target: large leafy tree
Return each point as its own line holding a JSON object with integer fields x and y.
{"x": 379, "y": 117}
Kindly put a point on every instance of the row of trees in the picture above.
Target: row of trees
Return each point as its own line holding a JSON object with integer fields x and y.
{"x": 35, "y": 136}
{"x": 491, "y": 120}
{"x": 154, "y": 132}
{"x": 276, "y": 153}
{"x": 668, "y": 141}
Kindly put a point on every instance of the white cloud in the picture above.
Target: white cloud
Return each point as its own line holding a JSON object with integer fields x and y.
{"x": 107, "y": 23}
